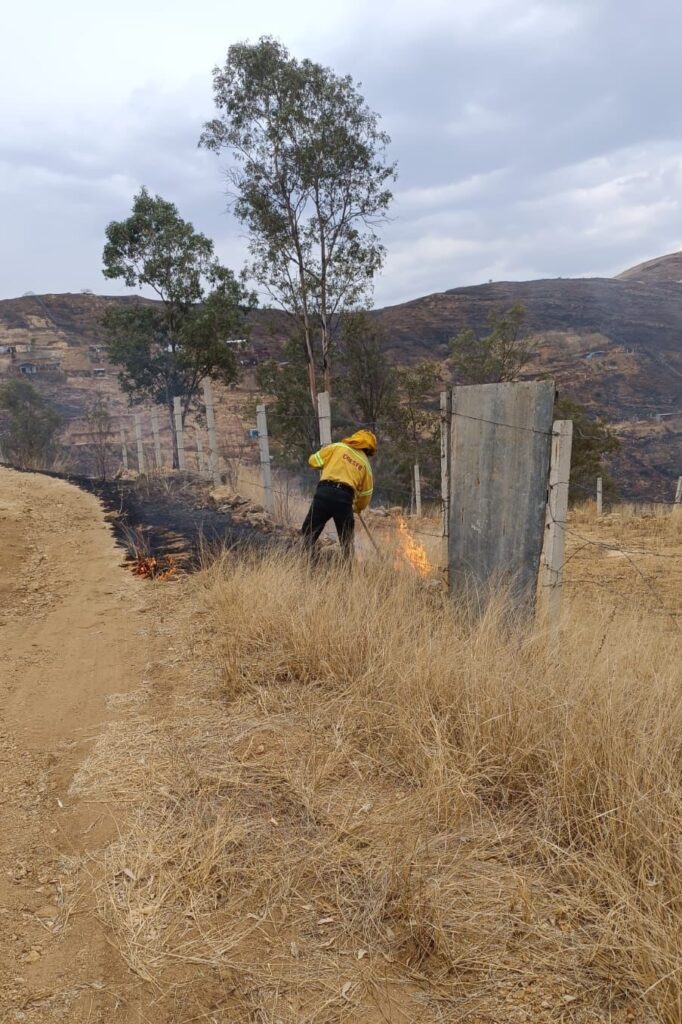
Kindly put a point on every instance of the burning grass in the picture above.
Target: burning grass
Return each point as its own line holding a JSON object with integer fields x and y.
{"x": 364, "y": 808}
{"x": 152, "y": 568}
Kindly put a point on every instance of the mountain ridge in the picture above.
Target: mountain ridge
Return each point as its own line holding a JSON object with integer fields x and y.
{"x": 611, "y": 343}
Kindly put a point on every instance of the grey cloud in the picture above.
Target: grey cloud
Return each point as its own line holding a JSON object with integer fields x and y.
{"x": 534, "y": 139}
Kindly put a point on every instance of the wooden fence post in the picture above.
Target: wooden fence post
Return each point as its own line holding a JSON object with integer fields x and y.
{"x": 599, "y": 496}
{"x": 124, "y": 449}
{"x": 157, "y": 439}
{"x": 417, "y": 491}
{"x": 324, "y": 416}
{"x": 212, "y": 442}
{"x": 265, "y": 470}
{"x": 555, "y": 524}
{"x": 445, "y": 407}
{"x": 179, "y": 439}
{"x": 140, "y": 448}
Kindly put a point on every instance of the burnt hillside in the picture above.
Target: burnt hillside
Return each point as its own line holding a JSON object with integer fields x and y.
{"x": 614, "y": 344}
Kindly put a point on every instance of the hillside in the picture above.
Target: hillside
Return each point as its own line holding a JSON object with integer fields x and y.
{"x": 661, "y": 269}
{"x": 613, "y": 344}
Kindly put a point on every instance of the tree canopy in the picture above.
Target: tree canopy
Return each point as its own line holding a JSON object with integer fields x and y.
{"x": 31, "y": 425}
{"x": 593, "y": 441}
{"x": 165, "y": 350}
{"x": 398, "y": 403}
{"x": 499, "y": 355}
{"x": 366, "y": 382}
{"x": 309, "y": 180}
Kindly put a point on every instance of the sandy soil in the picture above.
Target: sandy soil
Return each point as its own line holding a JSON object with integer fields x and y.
{"x": 74, "y": 632}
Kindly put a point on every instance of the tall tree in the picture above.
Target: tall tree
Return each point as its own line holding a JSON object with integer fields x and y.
{"x": 410, "y": 420}
{"x": 309, "y": 180}
{"x": 499, "y": 355}
{"x": 99, "y": 428}
{"x": 165, "y": 350}
{"x": 367, "y": 381}
{"x": 291, "y": 419}
{"x": 593, "y": 441}
{"x": 30, "y": 426}
{"x": 410, "y": 424}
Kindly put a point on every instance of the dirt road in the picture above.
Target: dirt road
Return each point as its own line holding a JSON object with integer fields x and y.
{"x": 74, "y": 633}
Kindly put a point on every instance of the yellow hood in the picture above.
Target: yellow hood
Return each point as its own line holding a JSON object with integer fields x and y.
{"x": 361, "y": 439}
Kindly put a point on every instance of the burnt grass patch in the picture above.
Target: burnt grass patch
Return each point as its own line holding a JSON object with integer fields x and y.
{"x": 172, "y": 518}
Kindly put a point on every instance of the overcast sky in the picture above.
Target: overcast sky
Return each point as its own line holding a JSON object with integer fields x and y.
{"x": 535, "y": 138}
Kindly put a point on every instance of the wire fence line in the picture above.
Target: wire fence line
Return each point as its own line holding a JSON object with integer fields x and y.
{"x": 286, "y": 493}
{"x": 627, "y": 555}
{"x": 585, "y": 542}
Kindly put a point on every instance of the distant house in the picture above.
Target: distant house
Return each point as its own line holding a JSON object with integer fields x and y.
{"x": 99, "y": 372}
{"x": 43, "y": 366}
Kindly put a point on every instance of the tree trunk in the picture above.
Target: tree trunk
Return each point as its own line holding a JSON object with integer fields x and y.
{"x": 171, "y": 419}
{"x": 312, "y": 381}
{"x": 310, "y": 360}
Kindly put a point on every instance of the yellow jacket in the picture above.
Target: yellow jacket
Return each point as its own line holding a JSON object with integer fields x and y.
{"x": 346, "y": 463}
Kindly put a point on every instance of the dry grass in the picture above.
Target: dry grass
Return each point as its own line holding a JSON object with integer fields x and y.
{"x": 361, "y": 807}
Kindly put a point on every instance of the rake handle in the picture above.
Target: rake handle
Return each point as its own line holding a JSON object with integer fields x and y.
{"x": 371, "y": 538}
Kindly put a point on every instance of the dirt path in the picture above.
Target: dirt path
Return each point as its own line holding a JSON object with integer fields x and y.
{"x": 74, "y": 632}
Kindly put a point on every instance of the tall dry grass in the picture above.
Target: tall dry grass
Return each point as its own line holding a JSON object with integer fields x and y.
{"x": 364, "y": 807}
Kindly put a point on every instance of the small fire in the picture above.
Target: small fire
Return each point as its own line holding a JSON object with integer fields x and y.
{"x": 150, "y": 568}
{"x": 411, "y": 550}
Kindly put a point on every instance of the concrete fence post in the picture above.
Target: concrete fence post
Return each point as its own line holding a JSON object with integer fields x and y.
{"x": 212, "y": 442}
{"x": 140, "y": 447}
{"x": 157, "y": 438}
{"x": 555, "y": 523}
{"x": 500, "y": 445}
{"x": 445, "y": 405}
{"x": 124, "y": 449}
{"x": 417, "y": 491}
{"x": 677, "y": 504}
{"x": 265, "y": 469}
{"x": 324, "y": 416}
{"x": 179, "y": 439}
{"x": 599, "y": 496}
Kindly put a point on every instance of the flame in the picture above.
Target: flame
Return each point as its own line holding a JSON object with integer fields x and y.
{"x": 150, "y": 568}
{"x": 411, "y": 550}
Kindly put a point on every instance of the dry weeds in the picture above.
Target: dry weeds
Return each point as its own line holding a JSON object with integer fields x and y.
{"x": 361, "y": 807}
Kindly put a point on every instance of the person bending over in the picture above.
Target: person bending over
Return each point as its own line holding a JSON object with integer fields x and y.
{"x": 346, "y": 485}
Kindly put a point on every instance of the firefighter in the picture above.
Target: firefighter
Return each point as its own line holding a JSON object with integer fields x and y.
{"x": 345, "y": 487}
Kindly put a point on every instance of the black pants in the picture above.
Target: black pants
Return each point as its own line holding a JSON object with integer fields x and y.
{"x": 330, "y": 502}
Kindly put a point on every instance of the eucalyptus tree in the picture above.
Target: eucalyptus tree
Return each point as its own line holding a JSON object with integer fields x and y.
{"x": 309, "y": 179}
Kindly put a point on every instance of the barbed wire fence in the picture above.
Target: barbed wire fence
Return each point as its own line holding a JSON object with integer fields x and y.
{"x": 241, "y": 454}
